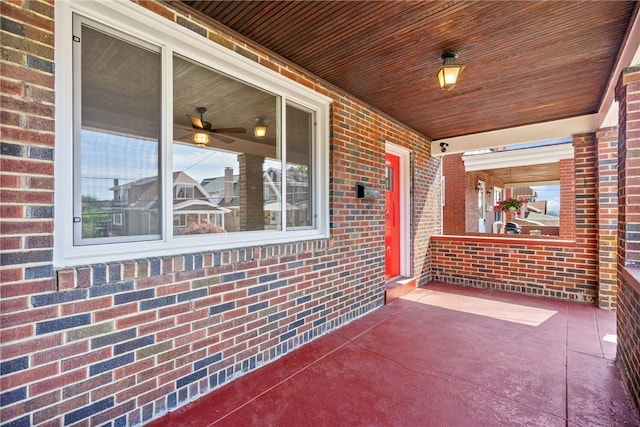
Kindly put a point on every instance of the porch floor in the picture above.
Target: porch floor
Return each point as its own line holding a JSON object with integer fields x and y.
{"x": 441, "y": 355}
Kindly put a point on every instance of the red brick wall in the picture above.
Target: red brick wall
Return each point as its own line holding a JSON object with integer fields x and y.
{"x": 607, "y": 216}
{"x": 567, "y": 199}
{"x": 628, "y": 323}
{"x": 455, "y": 208}
{"x": 628, "y": 354}
{"x": 460, "y": 212}
{"x": 530, "y": 266}
{"x": 123, "y": 342}
{"x": 557, "y": 270}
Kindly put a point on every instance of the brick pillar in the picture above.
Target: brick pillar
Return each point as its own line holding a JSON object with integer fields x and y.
{"x": 586, "y": 225}
{"x": 455, "y": 181}
{"x": 628, "y": 354}
{"x": 607, "y": 216}
{"x": 251, "y": 192}
{"x": 567, "y": 200}
{"x": 628, "y": 92}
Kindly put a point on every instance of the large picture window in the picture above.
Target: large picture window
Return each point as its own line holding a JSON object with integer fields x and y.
{"x": 178, "y": 144}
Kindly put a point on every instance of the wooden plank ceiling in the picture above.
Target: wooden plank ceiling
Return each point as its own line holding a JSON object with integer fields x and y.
{"x": 526, "y": 62}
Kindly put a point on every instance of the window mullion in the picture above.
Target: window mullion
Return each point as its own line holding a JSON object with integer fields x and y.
{"x": 166, "y": 145}
{"x": 282, "y": 138}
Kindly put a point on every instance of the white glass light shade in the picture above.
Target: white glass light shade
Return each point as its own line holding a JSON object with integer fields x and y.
{"x": 201, "y": 139}
{"x": 449, "y": 71}
{"x": 260, "y": 131}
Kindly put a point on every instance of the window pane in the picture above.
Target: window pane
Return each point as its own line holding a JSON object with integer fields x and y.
{"x": 118, "y": 143}
{"x": 299, "y": 173}
{"x": 234, "y": 176}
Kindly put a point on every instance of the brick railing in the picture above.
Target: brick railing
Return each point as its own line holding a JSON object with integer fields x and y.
{"x": 628, "y": 353}
{"x": 537, "y": 266}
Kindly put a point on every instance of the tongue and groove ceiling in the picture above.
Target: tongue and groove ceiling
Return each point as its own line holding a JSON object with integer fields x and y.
{"x": 527, "y": 62}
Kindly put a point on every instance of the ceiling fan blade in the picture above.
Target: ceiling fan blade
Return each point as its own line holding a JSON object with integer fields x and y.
{"x": 229, "y": 130}
{"x": 196, "y": 122}
{"x": 224, "y": 139}
{"x": 182, "y": 135}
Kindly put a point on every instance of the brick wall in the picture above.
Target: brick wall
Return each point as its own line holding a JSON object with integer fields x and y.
{"x": 555, "y": 269}
{"x": 567, "y": 199}
{"x": 529, "y": 266}
{"x": 455, "y": 208}
{"x": 628, "y": 313}
{"x": 628, "y": 274}
{"x": 460, "y": 212}
{"x": 607, "y": 216}
{"x": 124, "y": 342}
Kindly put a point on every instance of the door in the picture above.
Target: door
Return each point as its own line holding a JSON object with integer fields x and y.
{"x": 392, "y": 217}
{"x": 481, "y": 202}
{"x": 498, "y": 215}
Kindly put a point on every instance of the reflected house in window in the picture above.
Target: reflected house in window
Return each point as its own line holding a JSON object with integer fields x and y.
{"x": 194, "y": 212}
{"x": 135, "y": 207}
{"x": 224, "y": 192}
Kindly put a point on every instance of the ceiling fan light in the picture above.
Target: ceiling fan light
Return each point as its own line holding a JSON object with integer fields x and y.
{"x": 449, "y": 71}
{"x": 201, "y": 139}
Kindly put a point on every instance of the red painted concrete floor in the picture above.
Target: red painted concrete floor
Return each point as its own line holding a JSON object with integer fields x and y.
{"x": 440, "y": 356}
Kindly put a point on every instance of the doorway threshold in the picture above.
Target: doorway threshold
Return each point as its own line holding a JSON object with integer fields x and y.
{"x": 397, "y": 287}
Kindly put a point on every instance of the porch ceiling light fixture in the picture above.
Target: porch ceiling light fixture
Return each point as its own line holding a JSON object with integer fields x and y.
{"x": 260, "y": 129}
{"x": 449, "y": 71}
{"x": 201, "y": 139}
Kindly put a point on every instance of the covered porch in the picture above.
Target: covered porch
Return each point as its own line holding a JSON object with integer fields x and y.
{"x": 482, "y": 358}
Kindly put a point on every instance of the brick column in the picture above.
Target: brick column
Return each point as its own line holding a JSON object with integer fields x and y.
{"x": 454, "y": 211}
{"x": 628, "y": 354}
{"x": 567, "y": 200}
{"x": 628, "y": 93}
{"x": 607, "y": 216}
{"x": 586, "y": 226}
{"x": 251, "y": 192}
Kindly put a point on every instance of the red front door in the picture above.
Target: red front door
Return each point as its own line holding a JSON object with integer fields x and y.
{"x": 392, "y": 214}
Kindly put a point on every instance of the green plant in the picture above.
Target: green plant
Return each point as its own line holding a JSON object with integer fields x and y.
{"x": 508, "y": 204}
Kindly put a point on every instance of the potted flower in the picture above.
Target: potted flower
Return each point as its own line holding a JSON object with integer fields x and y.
{"x": 509, "y": 204}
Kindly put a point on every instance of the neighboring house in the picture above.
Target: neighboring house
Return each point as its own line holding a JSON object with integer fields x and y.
{"x": 225, "y": 190}
{"x": 135, "y": 206}
{"x": 193, "y": 205}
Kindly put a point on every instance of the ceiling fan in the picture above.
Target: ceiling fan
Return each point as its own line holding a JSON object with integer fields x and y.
{"x": 200, "y": 125}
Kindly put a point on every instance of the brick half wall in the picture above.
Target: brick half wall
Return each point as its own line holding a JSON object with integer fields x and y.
{"x": 549, "y": 268}
{"x": 628, "y": 320}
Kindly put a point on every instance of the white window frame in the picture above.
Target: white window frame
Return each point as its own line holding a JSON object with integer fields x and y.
{"x": 187, "y": 189}
{"x": 130, "y": 18}
{"x": 182, "y": 220}
{"x": 117, "y": 218}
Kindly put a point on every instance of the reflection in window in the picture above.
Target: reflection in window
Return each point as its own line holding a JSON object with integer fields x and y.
{"x": 235, "y": 180}
{"x": 543, "y": 207}
{"x": 299, "y": 161}
{"x": 117, "y": 193}
{"x": 223, "y": 175}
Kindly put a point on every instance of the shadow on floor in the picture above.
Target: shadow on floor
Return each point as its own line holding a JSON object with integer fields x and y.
{"x": 442, "y": 355}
